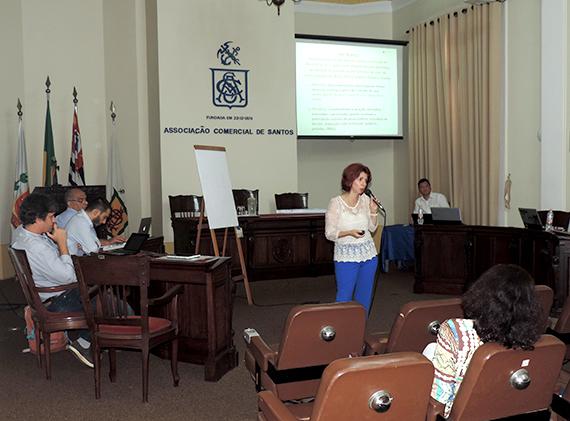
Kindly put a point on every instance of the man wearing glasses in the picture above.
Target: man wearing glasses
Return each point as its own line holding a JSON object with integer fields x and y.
{"x": 76, "y": 200}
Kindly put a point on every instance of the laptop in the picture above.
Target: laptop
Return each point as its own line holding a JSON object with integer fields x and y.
{"x": 132, "y": 246}
{"x": 446, "y": 216}
{"x": 144, "y": 227}
{"x": 427, "y": 218}
{"x": 531, "y": 219}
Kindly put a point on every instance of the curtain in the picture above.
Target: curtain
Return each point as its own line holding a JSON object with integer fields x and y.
{"x": 455, "y": 106}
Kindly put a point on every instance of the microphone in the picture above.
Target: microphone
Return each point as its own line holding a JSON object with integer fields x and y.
{"x": 369, "y": 193}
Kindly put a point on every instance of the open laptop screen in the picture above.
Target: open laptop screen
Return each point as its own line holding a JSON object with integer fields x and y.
{"x": 530, "y": 218}
{"x": 446, "y": 215}
{"x": 136, "y": 241}
{"x": 144, "y": 226}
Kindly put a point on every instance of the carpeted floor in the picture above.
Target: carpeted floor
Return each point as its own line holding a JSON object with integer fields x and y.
{"x": 25, "y": 394}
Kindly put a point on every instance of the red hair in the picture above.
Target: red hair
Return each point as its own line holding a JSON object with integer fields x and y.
{"x": 351, "y": 173}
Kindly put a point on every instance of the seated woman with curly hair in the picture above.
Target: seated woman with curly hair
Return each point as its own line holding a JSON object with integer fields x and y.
{"x": 501, "y": 307}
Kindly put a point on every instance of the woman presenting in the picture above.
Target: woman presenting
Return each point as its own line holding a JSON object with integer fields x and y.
{"x": 349, "y": 220}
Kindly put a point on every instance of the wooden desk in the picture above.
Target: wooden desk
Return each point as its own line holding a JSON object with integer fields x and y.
{"x": 204, "y": 312}
{"x": 449, "y": 258}
{"x": 275, "y": 245}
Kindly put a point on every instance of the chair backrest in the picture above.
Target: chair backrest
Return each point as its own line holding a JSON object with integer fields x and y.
{"x": 545, "y": 297}
{"x": 26, "y": 280}
{"x": 292, "y": 201}
{"x": 563, "y": 322}
{"x": 317, "y": 334}
{"x": 115, "y": 278}
{"x": 486, "y": 391}
{"x": 561, "y": 218}
{"x": 241, "y": 196}
{"x": 350, "y": 388}
{"x": 418, "y": 322}
{"x": 184, "y": 206}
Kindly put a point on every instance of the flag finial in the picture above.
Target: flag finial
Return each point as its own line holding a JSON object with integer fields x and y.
{"x": 113, "y": 109}
{"x": 75, "y": 100}
{"x": 48, "y": 84}
{"x": 19, "y": 106}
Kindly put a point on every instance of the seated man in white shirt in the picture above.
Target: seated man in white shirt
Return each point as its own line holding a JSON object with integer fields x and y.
{"x": 429, "y": 199}
{"x": 76, "y": 200}
{"x": 81, "y": 236}
{"x": 45, "y": 245}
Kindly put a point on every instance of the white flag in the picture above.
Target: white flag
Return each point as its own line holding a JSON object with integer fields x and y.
{"x": 21, "y": 187}
{"x": 119, "y": 219}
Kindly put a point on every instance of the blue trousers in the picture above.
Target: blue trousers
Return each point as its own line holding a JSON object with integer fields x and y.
{"x": 355, "y": 281}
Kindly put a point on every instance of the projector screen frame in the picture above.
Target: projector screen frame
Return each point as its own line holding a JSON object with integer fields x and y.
{"x": 354, "y": 40}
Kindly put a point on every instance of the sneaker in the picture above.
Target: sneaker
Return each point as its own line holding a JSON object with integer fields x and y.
{"x": 82, "y": 354}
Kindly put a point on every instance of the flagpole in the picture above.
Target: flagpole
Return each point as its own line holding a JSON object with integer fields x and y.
{"x": 113, "y": 114}
{"x": 21, "y": 184}
{"x": 48, "y": 84}
{"x": 75, "y": 100}
{"x": 115, "y": 190}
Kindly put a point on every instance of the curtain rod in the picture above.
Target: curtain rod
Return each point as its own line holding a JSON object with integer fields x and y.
{"x": 455, "y": 14}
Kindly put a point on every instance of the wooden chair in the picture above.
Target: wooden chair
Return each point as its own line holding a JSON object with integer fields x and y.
{"x": 561, "y": 218}
{"x": 111, "y": 279}
{"x": 562, "y": 328}
{"x": 313, "y": 336}
{"x": 391, "y": 387}
{"x": 184, "y": 206}
{"x": 415, "y": 326}
{"x": 417, "y": 323}
{"x": 241, "y": 196}
{"x": 501, "y": 382}
{"x": 292, "y": 201}
{"x": 45, "y": 321}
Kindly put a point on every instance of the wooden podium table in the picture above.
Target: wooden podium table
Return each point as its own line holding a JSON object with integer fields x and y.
{"x": 204, "y": 311}
{"x": 275, "y": 246}
{"x": 450, "y": 257}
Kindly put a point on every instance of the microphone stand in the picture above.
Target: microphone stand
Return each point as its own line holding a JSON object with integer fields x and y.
{"x": 383, "y": 214}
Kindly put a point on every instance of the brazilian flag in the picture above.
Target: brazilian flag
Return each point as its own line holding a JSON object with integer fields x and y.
{"x": 50, "y": 163}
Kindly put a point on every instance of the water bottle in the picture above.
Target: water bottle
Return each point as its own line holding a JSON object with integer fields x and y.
{"x": 251, "y": 205}
{"x": 420, "y": 217}
{"x": 549, "y": 220}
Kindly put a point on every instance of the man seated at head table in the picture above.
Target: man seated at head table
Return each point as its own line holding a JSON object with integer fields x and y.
{"x": 429, "y": 199}
{"x": 81, "y": 236}
{"x": 45, "y": 245}
{"x": 76, "y": 200}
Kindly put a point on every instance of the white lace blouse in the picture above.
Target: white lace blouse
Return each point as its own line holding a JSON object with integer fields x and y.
{"x": 341, "y": 217}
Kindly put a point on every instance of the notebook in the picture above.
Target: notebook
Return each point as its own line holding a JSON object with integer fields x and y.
{"x": 144, "y": 226}
{"x": 531, "y": 218}
{"x": 446, "y": 216}
{"x": 132, "y": 246}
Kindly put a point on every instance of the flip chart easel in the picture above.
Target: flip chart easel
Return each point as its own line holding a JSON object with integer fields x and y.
{"x": 218, "y": 203}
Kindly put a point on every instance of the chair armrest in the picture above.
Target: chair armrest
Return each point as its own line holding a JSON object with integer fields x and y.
{"x": 272, "y": 408}
{"x": 167, "y": 296}
{"x": 261, "y": 352}
{"x": 376, "y": 343}
{"x": 93, "y": 290}
{"x": 435, "y": 408}
{"x": 58, "y": 288}
{"x": 564, "y": 337}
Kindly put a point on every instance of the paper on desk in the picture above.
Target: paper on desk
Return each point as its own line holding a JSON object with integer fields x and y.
{"x": 176, "y": 257}
{"x": 193, "y": 258}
